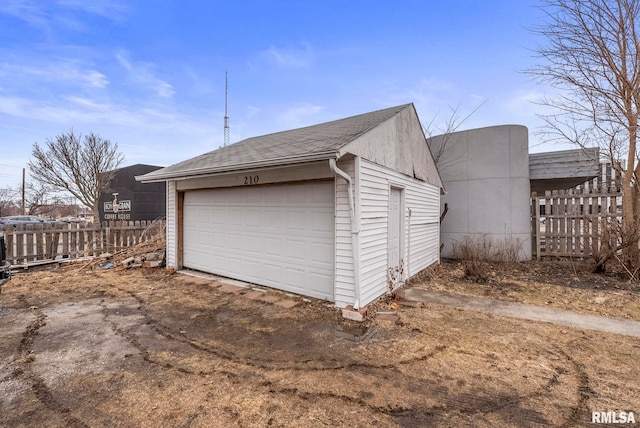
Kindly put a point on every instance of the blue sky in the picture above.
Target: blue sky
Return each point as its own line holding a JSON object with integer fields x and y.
{"x": 150, "y": 75}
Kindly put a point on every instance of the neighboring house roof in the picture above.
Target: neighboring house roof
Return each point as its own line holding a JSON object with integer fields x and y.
{"x": 563, "y": 169}
{"x": 311, "y": 143}
{"x": 139, "y": 166}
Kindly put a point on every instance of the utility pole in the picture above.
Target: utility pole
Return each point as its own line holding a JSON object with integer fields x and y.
{"x": 226, "y": 117}
{"x": 23, "y": 186}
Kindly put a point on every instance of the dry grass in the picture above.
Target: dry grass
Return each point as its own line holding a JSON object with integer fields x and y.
{"x": 564, "y": 285}
{"x": 143, "y": 348}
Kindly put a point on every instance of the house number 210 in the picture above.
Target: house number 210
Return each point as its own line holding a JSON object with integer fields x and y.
{"x": 251, "y": 179}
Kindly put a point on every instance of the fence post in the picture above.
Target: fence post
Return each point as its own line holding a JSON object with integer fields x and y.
{"x": 536, "y": 207}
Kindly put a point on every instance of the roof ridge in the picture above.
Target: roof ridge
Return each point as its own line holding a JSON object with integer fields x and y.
{"x": 344, "y": 119}
{"x": 313, "y": 142}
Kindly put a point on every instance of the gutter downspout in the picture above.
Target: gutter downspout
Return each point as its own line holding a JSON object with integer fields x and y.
{"x": 355, "y": 231}
{"x": 408, "y": 275}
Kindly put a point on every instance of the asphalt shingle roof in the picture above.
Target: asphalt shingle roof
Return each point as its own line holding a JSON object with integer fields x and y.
{"x": 315, "y": 142}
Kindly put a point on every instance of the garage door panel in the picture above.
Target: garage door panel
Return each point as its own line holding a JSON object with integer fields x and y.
{"x": 252, "y": 268}
{"x": 217, "y": 239}
{"x": 279, "y": 236}
{"x": 297, "y": 276}
{"x": 253, "y": 217}
{"x": 296, "y": 250}
{"x": 253, "y": 246}
{"x": 317, "y": 254}
{"x": 296, "y": 219}
{"x": 234, "y": 217}
{"x": 321, "y": 221}
{"x": 271, "y": 246}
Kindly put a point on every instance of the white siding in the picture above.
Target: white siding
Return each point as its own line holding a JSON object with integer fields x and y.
{"x": 421, "y": 229}
{"x": 344, "y": 289}
{"x": 398, "y": 144}
{"x": 172, "y": 225}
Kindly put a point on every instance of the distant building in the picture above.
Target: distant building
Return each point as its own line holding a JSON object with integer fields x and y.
{"x": 486, "y": 174}
{"x": 565, "y": 169}
{"x": 131, "y": 200}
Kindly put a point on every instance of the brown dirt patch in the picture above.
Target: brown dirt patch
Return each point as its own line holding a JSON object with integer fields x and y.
{"x": 144, "y": 348}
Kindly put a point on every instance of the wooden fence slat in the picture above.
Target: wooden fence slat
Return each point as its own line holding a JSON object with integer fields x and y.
{"x": 51, "y": 242}
{"x": 573, "y": 224}
{"x": 562, "y": 247}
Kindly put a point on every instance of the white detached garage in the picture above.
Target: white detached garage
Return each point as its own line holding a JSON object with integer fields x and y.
{"x": 342, "y": 211}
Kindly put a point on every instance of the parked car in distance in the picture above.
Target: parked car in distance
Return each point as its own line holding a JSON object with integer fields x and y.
{"x": 71, "y": 219}
{"x": 21, "y": 219}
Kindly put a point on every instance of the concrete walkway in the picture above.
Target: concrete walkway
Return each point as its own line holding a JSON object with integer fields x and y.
{"x": 524, "y": 311}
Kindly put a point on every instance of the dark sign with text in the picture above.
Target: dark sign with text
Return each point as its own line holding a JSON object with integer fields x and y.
{"x": 130, "y": 200}
{"x": 117, "y": 210}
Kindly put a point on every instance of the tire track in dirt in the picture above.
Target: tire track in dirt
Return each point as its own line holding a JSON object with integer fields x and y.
{"x": 254, "y": 367}
{"x": 583, "y": 392}
{"x": 128, "y": 335}
{"x": 192, "y": 417}
{"x": 234, "y": 359}
{"x": 419, "y": 415}
{"x": 16, "y": 357}
{"x": 23, "y": 370}
{"x": 428, "y": 415}
{"x": 408, "y": 415}
{"x": 301, "y": 365}
{"x": 144, "y": 351}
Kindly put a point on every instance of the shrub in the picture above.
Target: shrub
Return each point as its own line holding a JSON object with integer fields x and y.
{"x": 476, "y": 252}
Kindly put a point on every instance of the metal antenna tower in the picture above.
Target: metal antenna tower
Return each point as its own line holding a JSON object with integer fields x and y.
{"x": 226, "y": 117}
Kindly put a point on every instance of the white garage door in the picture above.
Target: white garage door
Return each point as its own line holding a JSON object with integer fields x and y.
{"x": 279, "y": 236}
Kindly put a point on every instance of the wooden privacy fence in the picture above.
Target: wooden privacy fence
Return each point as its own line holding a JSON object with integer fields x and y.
{"x": 33, "y": 244}
{"x": 573, "y": 223}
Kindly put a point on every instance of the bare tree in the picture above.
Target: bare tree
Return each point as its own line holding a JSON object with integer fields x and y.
{"x": 590, "y": 57}
{"x": 9, "y": 202}
{"x": 82, "y": 166}
{"x": 36, "y": 196}
{"x": 441, "y": 155}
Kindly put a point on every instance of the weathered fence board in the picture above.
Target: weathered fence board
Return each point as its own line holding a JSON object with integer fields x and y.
{"x": 49, "y": 242}
{"x": 573, "y": 223}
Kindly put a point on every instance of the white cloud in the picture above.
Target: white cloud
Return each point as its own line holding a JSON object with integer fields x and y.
{"x": 70, "y": 111}
{"x": 289, "y": 57}
{"x": 24, "y": 108}
{"x": 46, "y": 15}
{"x": 66, "y": 71}
{"x": 124, "y": 62}
{"x": 525, "y": 103}
{"x": 95, "y": 78}
{"x": 142, "y": 74}
{"x": 28, "y": 11}
{"x": 164, "y": 89}
{"x": 300, "y": 115}
{"x": 174, "y": 136}
{"x": 13, "y": 106}
{"x": 198, "y": 84}
{"x": 252, "y": 111}
{"x": 111, "y": 9}
{"x": 429, "y": 94}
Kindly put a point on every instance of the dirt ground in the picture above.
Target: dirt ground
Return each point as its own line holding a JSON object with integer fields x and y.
{"x": 85, "y": 348}
{"x": 558, "y": 284}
